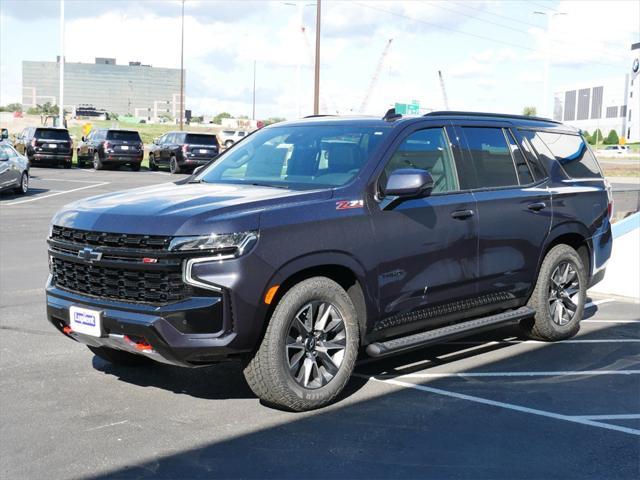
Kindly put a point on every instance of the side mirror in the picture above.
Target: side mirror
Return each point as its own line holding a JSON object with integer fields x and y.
{"x": 409, "y": 183}
{"x": 83, "y": 138}
{"x": 4, "y": 133}
{"x": 156, "y": 141}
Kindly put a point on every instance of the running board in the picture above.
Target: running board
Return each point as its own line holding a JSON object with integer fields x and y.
{"x": 450, "y": 332}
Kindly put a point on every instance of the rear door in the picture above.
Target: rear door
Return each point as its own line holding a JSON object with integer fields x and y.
{"x": 514, "y": 211}
{"x": 428, "y": 246}
{"x": 165, "y": 148}
{"x": 8, "y": 174}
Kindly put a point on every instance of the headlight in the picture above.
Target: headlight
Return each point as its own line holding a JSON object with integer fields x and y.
{"x": 232, "y": 244}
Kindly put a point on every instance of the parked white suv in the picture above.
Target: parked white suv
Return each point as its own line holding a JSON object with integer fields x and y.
{"x": 617, "y": 150}
{"x": 229, "y": 137}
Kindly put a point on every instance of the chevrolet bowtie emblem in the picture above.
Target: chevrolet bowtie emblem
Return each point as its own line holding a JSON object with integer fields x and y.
{"x": 89, "y": 254}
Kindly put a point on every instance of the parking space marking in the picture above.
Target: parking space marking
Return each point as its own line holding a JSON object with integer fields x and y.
{"x": 609, "y": 321}
{"x": 632, "y": 416}
{"x": 598, "y": 302}
{"x": 514, "y": 374}
{"x": 508, "y": 406}
{"x": 542, "y": 342}
{"x": 56, "y": 194}
{"x": 62, "y": 180}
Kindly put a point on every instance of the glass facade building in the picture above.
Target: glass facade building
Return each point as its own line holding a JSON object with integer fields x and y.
{"x": 134, "y": 89}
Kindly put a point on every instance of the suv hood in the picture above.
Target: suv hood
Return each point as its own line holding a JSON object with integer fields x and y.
{"x": 180, "y": 209}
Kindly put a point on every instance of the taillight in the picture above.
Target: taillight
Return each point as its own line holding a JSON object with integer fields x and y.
{"x": 33, "y": 142}
{"x": 185, "y": 148}
{"x": 106, "y": 144}
{"x": 609, "y": 198}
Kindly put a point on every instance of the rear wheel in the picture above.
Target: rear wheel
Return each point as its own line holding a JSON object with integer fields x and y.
{"x": 23, "y": 187}
{"x": 309, "y": 349}
{"x": 173, "y": 165}
{"x": 119, "y": 357}
{"x": 559, "y": 296}
{"x": 97, "y": 163}
{"x": 228, "y": 143}
{"x": 152, "y": 163}
{"x": 68, "y": 163}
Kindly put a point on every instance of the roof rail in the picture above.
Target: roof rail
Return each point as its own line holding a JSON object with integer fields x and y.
{"x": 483, "y": 114}
{"x": 319, "y": 115}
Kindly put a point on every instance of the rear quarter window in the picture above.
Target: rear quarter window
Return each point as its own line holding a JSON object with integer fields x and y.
{"x": 572, "y": 153}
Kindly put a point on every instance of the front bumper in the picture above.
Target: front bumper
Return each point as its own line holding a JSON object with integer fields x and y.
{"x": 168, "y": 329}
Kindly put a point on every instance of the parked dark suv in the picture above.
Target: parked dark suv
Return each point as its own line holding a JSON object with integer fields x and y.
{"x": 45, "y": 145}
{"x": 183, "y": 151}
{"x": 111, "y": 147}
{"x": 312, "y": 241}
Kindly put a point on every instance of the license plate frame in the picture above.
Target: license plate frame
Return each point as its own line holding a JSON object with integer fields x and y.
{"x": 124, "y": 147}
{"x": 86, "y": 321}
{"x": 52, "y": 145}
{"x": 203, "y": 150}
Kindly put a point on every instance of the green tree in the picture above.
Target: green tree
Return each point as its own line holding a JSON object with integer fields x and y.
{"x": 596, "y": 138}
{"x": 12, "y": 107}
{"x": 529, "y": 111}
{"x": 218, "y": 118}
{"x": 586, "y": 136}
{"x": 612, "y": 138}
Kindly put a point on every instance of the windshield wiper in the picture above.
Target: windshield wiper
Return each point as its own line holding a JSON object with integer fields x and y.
{"x": 271, "y": 185}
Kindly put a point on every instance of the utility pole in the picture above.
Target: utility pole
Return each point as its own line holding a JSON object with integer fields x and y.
{"x": 181, "y": 113}
{"x": 61, "y": 82}
{"x": 545, "y": 110}
{"x": 316, "y": 83}
{"x": 444, "y": 91}
{"x": 253, "y": 115}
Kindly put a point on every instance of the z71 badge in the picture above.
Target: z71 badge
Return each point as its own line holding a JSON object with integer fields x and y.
{"x": 348, "y": 204}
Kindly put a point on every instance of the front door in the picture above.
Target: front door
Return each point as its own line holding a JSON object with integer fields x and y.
{"x": 427, "y": 246}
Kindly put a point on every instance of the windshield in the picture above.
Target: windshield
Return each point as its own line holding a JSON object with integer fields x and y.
{"x": 51, "y": 134}
{"x": 201, "y": 139}
{"x": 297, "y": 157}
{"x": 123, "y": 135}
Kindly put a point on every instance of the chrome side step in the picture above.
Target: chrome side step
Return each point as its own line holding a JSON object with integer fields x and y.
{"x": 422, "y": 339}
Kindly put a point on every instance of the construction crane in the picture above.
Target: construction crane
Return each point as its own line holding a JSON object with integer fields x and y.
{"x": 444, "y": 91}
{"x": 376, "y": 76}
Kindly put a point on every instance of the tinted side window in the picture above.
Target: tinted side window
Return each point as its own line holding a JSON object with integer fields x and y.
{"x": 572, "y": 153}
{"x": 527, "y": 149}
{"x": 524, "y": 173}
{"x": 491, "y": 157}
{"x": 426, "y": 150}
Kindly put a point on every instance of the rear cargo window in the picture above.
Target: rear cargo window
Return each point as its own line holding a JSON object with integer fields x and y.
{"x": 124, "y": 136}
{"x": 51, "y": 134}
{"x": 201, "y": 139}
{"x": 572, "y": 153}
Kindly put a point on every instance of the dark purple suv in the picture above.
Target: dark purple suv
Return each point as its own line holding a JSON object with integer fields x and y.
{"x": 312, "y": 242}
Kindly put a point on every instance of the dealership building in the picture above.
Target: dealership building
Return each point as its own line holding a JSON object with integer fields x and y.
{"x": 133, "y": 89}
{"x": 607, "y": 104}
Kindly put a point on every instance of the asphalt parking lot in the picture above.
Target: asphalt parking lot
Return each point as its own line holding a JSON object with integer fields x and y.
{"x": 493, "y": 406}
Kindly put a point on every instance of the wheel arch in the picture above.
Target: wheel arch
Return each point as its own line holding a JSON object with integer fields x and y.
{"x": 339, "y": 267}
{"x": 574, "y": 234}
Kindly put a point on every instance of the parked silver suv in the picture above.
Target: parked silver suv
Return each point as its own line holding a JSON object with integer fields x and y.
{"x": 14, "y": 169}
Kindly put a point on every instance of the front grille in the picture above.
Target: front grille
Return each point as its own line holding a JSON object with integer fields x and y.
{"x": 146, "y": 286}
{"x": 112, "y": 240}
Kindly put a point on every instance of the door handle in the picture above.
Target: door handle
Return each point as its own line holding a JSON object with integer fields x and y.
{"x": 462, "y": 214}
{"x": 536, "y": 207}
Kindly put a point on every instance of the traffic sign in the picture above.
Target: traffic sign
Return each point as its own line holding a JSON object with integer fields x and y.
{"x": 412, "y": 108}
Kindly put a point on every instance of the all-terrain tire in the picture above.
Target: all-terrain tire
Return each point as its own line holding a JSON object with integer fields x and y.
{"x": 97, "y": 163}
{"x": 543, "y": 326}
{"x": 267, "y": 371}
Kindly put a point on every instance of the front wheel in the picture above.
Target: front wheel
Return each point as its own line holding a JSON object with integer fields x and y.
{"x": 153, "y": 166}
{"x": 119, "y": 357}
{"x": 309, "y": 349}
{"x": 23, "y": 187}
{"x": 559, "y": 296}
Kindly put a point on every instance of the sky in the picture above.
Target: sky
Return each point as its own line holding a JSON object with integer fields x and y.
{"x": 491, "y": 53}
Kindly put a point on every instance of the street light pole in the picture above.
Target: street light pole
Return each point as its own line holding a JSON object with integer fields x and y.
{"x": 316, "y": 83}
{"x": 181, "y": 112}
{"x": 61, "y": 82}
{"x": 253, "y": 115}
{"x": 545, "y": 110}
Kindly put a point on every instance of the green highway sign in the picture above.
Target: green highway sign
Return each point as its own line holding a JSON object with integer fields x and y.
{"x": 412, "y": 108}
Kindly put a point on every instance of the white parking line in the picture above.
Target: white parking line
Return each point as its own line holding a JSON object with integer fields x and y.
{"x": 55, "y": 194}
{"x": 508, "y": 406}
{"x": 64, "y": 180}
{"x": 632, "y": 416}
{"x": 609, "y": 321}
{"x": 514, "y": 374}
{"x": 598, "y": 302}
{"x": 499, "y": 342}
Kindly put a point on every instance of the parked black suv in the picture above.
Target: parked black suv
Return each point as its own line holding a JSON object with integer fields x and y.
{"x": 111, "y": 147}
{"x": 312, "y": 241}
{"x": 183, "y": 151}
{"x": 45, "y": 145}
